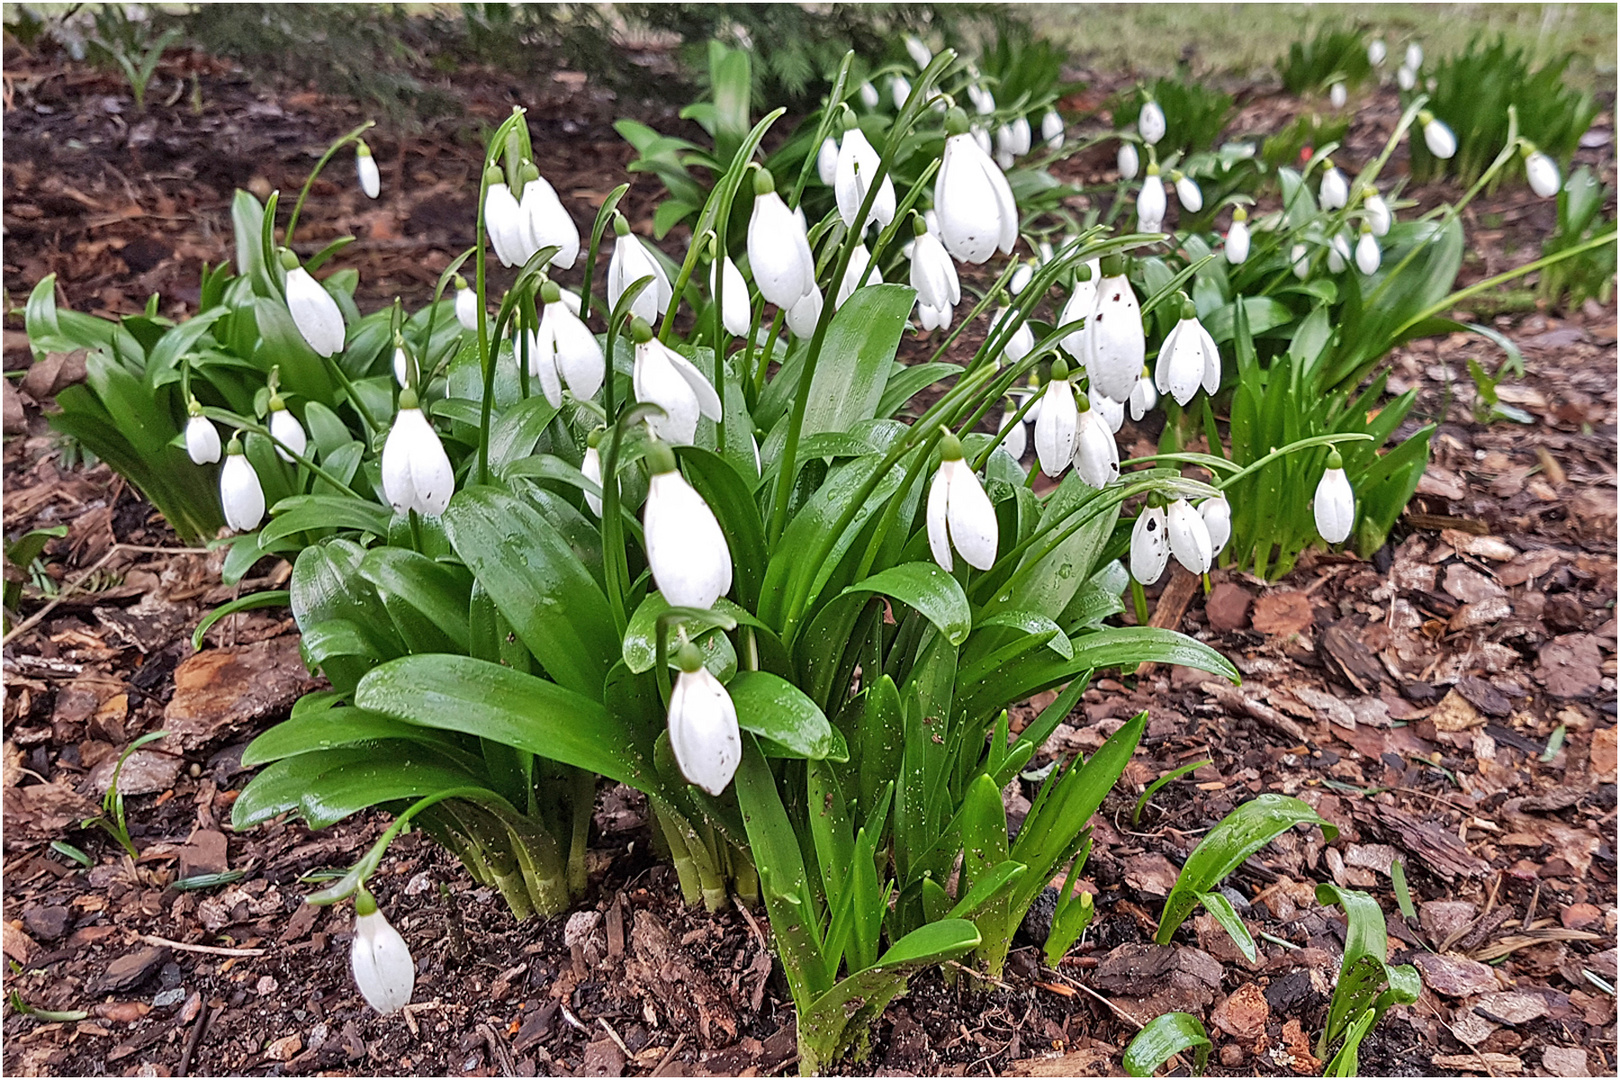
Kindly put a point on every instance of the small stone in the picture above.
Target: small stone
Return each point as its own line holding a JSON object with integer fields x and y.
{"x": 1227, "y": 607}
{"x": 579, "y": 927}
{"x": 131, "y": 969}
{"x": 1455, "y": 976}
{"x": 47, "y": 923}
{"x": 1244, "y": 1014}
{"x": 1455, "y": 713}
{"x": 165, "y": 998}
{"x": 1513, "y": 1006}
{"x": 266, "y": 985}
{"x": 285, "y": 1048}
{"x": 1564, "y": 1061}
{"x": 1379, "y": 857}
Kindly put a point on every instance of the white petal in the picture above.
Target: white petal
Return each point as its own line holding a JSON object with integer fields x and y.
{"x": 1189, "y": 537}
{"x": 1117, "y": 341}
{"x": 970, "y": 515}
{"x": 1542, "y": 172}
{"x": 591, "y": 467}
{"x": 1367, "y": 254}
{"x": 974, "y": 203}
{"x": 578, "y": 354}
{"x": 939, "y": 540}
{"x": 827, "y": 161}
{"x": 654, "y": 379}
{"x": 287, "y": 431}
{"x": 431, "y": 475}
{"x": 1143, "y": 398}
{"x": 314, "y": 312}
{"x": 686, "y": 551}
{"x": 1056, "y": 428}
{"x": 703, "y": 732}
{"x": 1217, "y": 515}
{"x": 1082, "y": 304}
{"x": 1150, "y": 123}
{"x": 1111, "y": 411}
{"x": 1017, "y": 439}
{"x": 1335, "y": 506}
{"x": 549, "y": 223}
{"x": 1096, "y": 455}
{"x": 1129, "y": 161}
{"x": 778, "y": 253}
{"x": 805, "y": 313}
{"x": 202, "y": 440}
{"x": 1150, "y": 550}
{"x": 1189, "y": 194}
{"x": 735, "y": 312}
{"x": 370, "y": 180}
{"x": 240, "y": 493}
{"x": 383, "y": 969}
{"x": 1212, "y": 359}
{"x": 467, "y": 308}
{"x": 1237, "y": 243}
{"x": 707, "y": 400}
{"x": 1335, "y": 189}
{"x": 398, "y": 485}
{"x": 503, "y": 220}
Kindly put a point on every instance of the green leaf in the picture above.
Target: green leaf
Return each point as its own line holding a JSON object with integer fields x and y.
{"x": 329, "y": 729}
{"x": 1148, "y": 793}
{"x": 1162, "y": 1039}
{"x": 269, "y": 598}
{"x": 859, "y": 347}
{"x": 1225, "y": 914}
{"x": 427, "y": 599}
{"x": 788, "y": 723}
{"x": 924, "y": 586}
{"x": 729, "y": 496}
{"x": 308, "y": 513}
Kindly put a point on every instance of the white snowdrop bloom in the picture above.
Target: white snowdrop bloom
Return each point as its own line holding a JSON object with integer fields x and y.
{"x": 858, "y": 162}
{"x": 960, "y": 514}
{"x": 827, "y": 161}
{"x": 686, "y": 551}
{"x": 240, "y": 492}
{"x": 1058, "y": 426}
{"x": 1339, "y": 253}
{"x": 1337, "y": 95}
{"x": 466, "y": 305}
{"x": 286, "y": 430}
{"x": 1112, "y": 412}
{"x": 547, "y": 223}
{"x": 778, "y": 251}
{"x": 1021, "y": 278}
{"x": 703, "y": 732}
{"x": 1542, "y": 172}
{"x": 1378, "y": 213}
{"x": 381, "y": 961}
{"x": 1150, "y": 545}
{"x": 1335, "y": 189}
{"x": 1405, "y": 77}
{"x": 1019, "y": 342}
{"x": 1237, "y": 238}
{"x": 1150, "y": 202}
{"x": 1376, "y": 52}
{"x": 933, "y": 274}
{"x": 899, "y": 91}
{"x": 1043, "y": 251}
{"x": 1096, "y": 455}
{"x": 669, "y": 380}
{"x": 402, "y": 366}
{"x": 1414, "y": 56}
{"x": 503, "y": 220}
{"x": 1217, "y": 515}
{"x": 1437, "y": 136}
{"x": 366, "y": 166}
{"x": 1299, "y": 256}
{"x": 934, "y": 318}
{"x": 591, "y": 469}
{"x": 977, "y": 215}
{"x": 735, "y": 311}
{"x": 1116, "y": 345}
{"x": 920, "y": 54}
{"x": 869, "y": 95}
{"x": 1150, "y": 123}
{"x": 1017, "y": 439}
{"x": 314, "y": 312}
{"x": 564, "y": 351}
{"x": 805, "y": 313}
{"x": 416, "y": 472}
{"x": 1144, "y": 396}
{"x": 1052, "y": 130}
{"x": 1189, "y": 537}
{"x": 1367, "y": 254}
{"x": 860, "y": 272}
{"x": 1129, "y": 161}
{"x": 1004, "y": 154}
{"x": 1188, "y": 193}
{"x": 1022, "y": 137}
{"x": 1335, "y": 504}
{"x": 630, "y": 263}
{"x": 1082, "y": 304}
{"x": 981, "y": 138}
{"x": 984, "y": 102}
{"x": 1188, "y": 359}
{"x": 202, "y": 438}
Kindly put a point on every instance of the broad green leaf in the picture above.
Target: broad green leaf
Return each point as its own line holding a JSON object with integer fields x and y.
{"x": 1225, "y": 914}
{"x": 427, "y": 599}
{"x": 306, "y": 513}
{"x": 329, "y": 729}
{"x": 788, "y": 723}
{"x": 855, "y": 358}
{"x": 1162, "y": 1039}
{"x": 383, "y": 777}
{"x": 927, "y": 588}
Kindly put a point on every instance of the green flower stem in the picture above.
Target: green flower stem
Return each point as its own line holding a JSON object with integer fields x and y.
{"x": 603, "y": 216}
{"x": 225, "y": 416}
{"x": 835, "y": 98}
{"x": 370, "y": 422}
{"x": 1301, "y": 444}
{"x": 1139, "y": 602}
{"x": 292, "y": 222}
{"x": 444, "y": 281}
{"x": 526, "y": 326}
{"x": 767, "y": 350}
{"x": 1001, "y": 436}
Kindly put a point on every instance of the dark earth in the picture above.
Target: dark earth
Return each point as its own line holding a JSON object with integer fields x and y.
{"x": 1450, "y": 704}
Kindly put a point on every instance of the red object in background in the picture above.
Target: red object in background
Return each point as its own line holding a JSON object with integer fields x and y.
{"x": 1304, "y": 155}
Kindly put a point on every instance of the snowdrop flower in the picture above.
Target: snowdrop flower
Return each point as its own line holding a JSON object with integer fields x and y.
{"x": 1188, "y": 359}
{"x": 1096, "y": 455}
{"x": 1111, "y": 411}
{"x": 546, "y": 222}
{"x": 686, "y": 551}
{"x": 1337, "y": 96}
{"x": 1414, "y": 56}
{"x": 667, "y": 379}
{"x": 286, "y": 430}
{"x": 416, "y": 472}
{"x": 567, "y": 351}
{"x": 803, "y": 315}
{"x": 381, "y": 961}
{"x": 1437, "y": 136}
{"x": 982, "y": 138}
{"x": 1367, "y": 254}
{"x": 202, "y": 437}
{"x": 1335, "y": 505}
{"x": 1021, "y": 278}
{"x": 1542, "y": 172}
{"x": 858, "y": 162}
{"x": 984, "y": 102}
{"x": 1128, "y": 161}
{"x": 1376, "y": 52}
{"x": 703, "y": 732}
{"x": 869, "y": 95}
{"x": 1300, "y": 256}
{"x": 1150, "y": 202}
{"x": 1189, "y": 537}
{"x": 960, "y": 514}
{"x": 591, "y": 469}
{"x": 1017, "y": 439}
{"x": 1217, "y": 515}
{"x": 1052, "y": 130}
{"x": 977, "y": 215}
{"x": 1019, "y": 136}
{"x": 314, "y": 312}
{"x": 366, "y": 166}
{"x": 1116, "y": 345}
{"x": 899, "y": 91}
{"x": 933, "y": 274}
{"x": 920, "y": 53}
{"x": 503, "y": 220}
{"x": 1144, "y": 396}
{"x": 1378, "y": 214}
{"x": 1339, "y": 253}
{"x": 1150, "y": 122}
{"x": 1150, "y": 546}
{"x": 466, "y": 305}
{"x": 1335, "y": 190}
{"x": 933, "y": 318}
{"x": 1082, "y": 303}
{"x": 240, "y": 492}
{"x": 630, "y": 263}
{"x": 1405, "y": 77}
{"x": 1237, "y": 237}
{"x": 827, "y": 161}
{"x": 778, "y": 252}
{"x": 1021, "y": 340}
{"x": 1188, "y": 193}
{"x": 735, "y": 311}
{"x": 402, "y": 363}
{"x": 1058, "y": 426}
{"x": 860, "y": 272}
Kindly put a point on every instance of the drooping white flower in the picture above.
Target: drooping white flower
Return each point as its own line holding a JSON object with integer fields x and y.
{"x": 240, "y": 493}
{"x": 977, "y": 215}
{"x": 933, "y": 274}
{"x": 547, "y": 223}
{"x": 1096, "y": 454}
{"x": 1082, "y": 304}
{"x": 1052, "y": 130}
{"x": 1111, "y": 411}
{"x": 686, "y": 551}
{"x": 703, "y": 732}
{"x": 466, "y": 305}
{"x": 859, "y": 273}
{"x": 591, "y": 468}
{"x": 1337, "y": 95}
{"x": 1150, "y": 123}
{"x": 934, "y": 318}
{"x": 1188, "y": 359}
{"x": 1217, "y": 515}
{"x": 1188, "y": 193}
{"x": 1299, "y": 256}
{"x": 1367, "y": 254}
{"x": 1018, "y": 343}
{"x": 503, "y": 220}
{"x": 1017, "y": 439}
{"x": 1116, "y": 345}
{"x": 960, "y": 514}
{"x": 869, "y": 95}
{"x": 1150, "y": 202}
{"x": 858, "y": 163}
{"x": 827, "y": 161}
{"x": 1542, "y": 172}
{"x": 1335, "y": 504}
{"x": 416, "y": 472}
{"x": 984, "y": 102}
{"x": 1378, "y": 213}
{"x": 805, "y": 313}
{"x": 286, "y": 430}
{"x": 381, "y": 961}
{"x": 630, "y": 263}
{"x": 1058, "y": 425}
{"x": 1021, "y": 278}
{"x": 202, "y": 438}
{"x": 1128, "y": 161}
{"x": 402, "y": 366}
{"x": 899, "y": 91}
{"x": 1150, "y": 545}
{"x": 667, "y": 379}
{"x": 1405, "y": 77}
{"x": 1335, "y": 190}
{"x": 920, "y": 54}
{"x": 778, "y": 251}
{"x": 1237, "y": 237}
{"x": 564, "y": 350}
{"x": 1376, "y": 52}
{"x": 735, "y": 311}
{"x": 314, "y": 312}
{"x": 1004, "y": 141}
{"x": 1339, "y": 253}
{"x": 366, "y": 166}
{"x": 1019, "y": 137}
{"x": 982, "y": 138}
{"x": 1437, "y": 136}
{"x": 1144, "y": 396}
{"x": 1189, "y": 537}
{"x": 1414, "y": 56}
